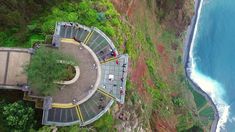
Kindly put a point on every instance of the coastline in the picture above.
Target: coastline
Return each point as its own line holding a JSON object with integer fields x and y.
{"x": 187, "y": 46}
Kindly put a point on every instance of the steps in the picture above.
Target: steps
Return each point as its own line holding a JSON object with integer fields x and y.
{"x": 68, "y": 31}
{"x": 95, "y": 105}
{"x": 100, "y": 45}
{"x": 85, "y": 113}
{"x": 62, "y": 115}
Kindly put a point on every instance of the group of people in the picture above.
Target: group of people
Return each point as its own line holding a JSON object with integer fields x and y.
{"x": 34, "y": 48}
{"x": 101, "y": 106}
{"x": 24, "y": 87}
{"x": 75, "y": 100}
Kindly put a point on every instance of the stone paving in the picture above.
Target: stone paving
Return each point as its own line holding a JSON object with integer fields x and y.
{"x": 12, "y": 66}
{"x": 16, "y": 65}
{"x": 88, "y": 75}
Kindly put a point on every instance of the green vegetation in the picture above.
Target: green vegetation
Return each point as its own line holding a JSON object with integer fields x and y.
{"x": 158, "y": 45}
{"x": 178, "y": 101}
{"x": 185, "y": 122}
{"x": 100, "y": 14}
{"x": 43, "y": 70}
{"x": 194, "y": 129}
{"x": 207, "y": 112}
{"x": 168, "y": 37}
{"x": 7, "y": 97}
{"x": 74, "y": 128}
{"x": 16, "y": 18}
{"x": 18, "y": 116}
{"x": 105, "y": 123}
{"x": 151, "y": 45}
{"x": 199, "y": 99}
{"x": 152, "y": 71}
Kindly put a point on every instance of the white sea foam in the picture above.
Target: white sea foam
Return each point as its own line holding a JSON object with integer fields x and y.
{"x": 215, "y": 91}
{"x": 213, "y": 88}
{"x": 231, "y": 120}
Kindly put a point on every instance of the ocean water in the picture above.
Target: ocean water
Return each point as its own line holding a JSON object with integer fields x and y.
{"x": 212, "y": 57}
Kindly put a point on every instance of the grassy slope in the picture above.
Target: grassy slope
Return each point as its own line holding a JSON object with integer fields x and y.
{"x": 157, "y": 46}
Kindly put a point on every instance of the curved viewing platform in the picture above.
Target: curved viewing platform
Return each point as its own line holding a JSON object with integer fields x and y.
{"x": 100, "y": 77}
{"x": 102, "y": 80}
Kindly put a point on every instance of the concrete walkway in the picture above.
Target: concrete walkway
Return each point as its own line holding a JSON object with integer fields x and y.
{"x": 12, "y": 65}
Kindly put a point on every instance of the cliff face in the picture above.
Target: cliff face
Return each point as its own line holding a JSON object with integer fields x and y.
{"x": 165, "y": 101}
{"x": 176, "y": 14}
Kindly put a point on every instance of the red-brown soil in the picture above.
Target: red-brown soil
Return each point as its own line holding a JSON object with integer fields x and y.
{"x": 138, "y": 73}
{"x": 165, "y": 125}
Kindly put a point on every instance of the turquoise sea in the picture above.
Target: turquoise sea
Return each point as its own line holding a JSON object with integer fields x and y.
{"x": 212, "y": 57}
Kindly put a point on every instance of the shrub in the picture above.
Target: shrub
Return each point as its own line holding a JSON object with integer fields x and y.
{"x": 18, "y": 116}
{"x": 105, "y": 124}
{"x": 178, "y": 101}
{"x": 74, "y": 128}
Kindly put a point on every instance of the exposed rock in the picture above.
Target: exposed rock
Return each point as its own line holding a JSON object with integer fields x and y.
{"x": 115, "y": 108}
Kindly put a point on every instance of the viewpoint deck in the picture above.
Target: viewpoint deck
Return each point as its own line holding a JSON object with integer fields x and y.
{"x": 101, "y": 81}
{"x": 95, "y": 90}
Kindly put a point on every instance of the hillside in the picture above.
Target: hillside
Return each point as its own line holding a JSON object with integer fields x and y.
{"x": 157, "y": 73}
{"x": 159, "y": 98}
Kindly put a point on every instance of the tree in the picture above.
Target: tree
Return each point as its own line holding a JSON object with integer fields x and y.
{"x": 194, "y": 128}
{"x": 18, "y": 116}
{"x": 44, "y": 70}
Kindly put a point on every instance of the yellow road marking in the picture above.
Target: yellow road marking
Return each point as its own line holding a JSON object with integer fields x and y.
{"x": 79, "y": 113}
{"x": 58, "y": 105}
{"x": 66, "y": 40}
{"x": 108, "y": 60}
{"x": 88, "y": 37}
{"x": 105, "y": 93}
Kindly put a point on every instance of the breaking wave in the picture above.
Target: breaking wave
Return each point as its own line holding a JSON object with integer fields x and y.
{"x": 213, "y": 88}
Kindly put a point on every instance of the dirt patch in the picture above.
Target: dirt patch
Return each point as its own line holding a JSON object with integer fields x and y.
{"x": 160, "y": 48}
{"x": 150, "y": 82}
{"x": 130, "y": 8}
{"x": 125, "y": 7}
{"x": 138, "y": 73}
{"x": 163, "y": 125}
{"x": 164, "y": 67}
